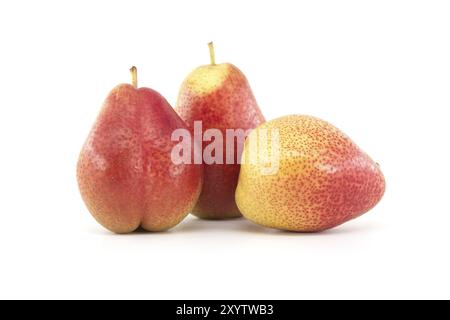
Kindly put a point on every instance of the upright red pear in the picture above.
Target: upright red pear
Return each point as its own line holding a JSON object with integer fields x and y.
{"x": 125, "y": 172}
{"x": 219, "y": 96}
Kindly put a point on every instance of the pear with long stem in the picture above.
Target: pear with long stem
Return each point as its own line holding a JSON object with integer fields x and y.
{"x": 219, "y": 96}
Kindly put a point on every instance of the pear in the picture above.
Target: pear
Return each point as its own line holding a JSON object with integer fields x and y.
{"x": 300, "y": 173}
{"x": 125, "y": 173}
{"x": 219, "y": 96}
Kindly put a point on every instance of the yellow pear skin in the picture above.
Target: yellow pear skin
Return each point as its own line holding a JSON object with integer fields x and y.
{"x": 323, "y": 178}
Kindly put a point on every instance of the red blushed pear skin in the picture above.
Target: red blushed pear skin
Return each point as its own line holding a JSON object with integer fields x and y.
{"x": 125, "y": 173}
{"x": 220, "y": 96}
{"x": 322, "y": 180}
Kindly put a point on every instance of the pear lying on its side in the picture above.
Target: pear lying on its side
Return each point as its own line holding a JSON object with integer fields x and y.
{"x": 323, "y": 178}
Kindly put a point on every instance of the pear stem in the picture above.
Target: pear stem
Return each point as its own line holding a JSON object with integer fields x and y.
{"x": 134, "y": 80}
{"x": 212, "y": 56}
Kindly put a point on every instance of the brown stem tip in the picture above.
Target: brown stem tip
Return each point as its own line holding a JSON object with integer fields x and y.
{"x": 133, "y": 71}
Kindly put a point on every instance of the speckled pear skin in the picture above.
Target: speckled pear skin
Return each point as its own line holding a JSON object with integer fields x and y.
{"x": 323, "y": 180}
{"x": 220, "y": 96}
{"x": 125, "y": 173}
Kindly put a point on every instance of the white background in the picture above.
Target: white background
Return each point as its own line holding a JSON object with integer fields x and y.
{"x": 378, "y": 70}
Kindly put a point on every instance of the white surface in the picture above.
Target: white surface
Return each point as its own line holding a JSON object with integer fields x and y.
{"x": 379, "y": 70}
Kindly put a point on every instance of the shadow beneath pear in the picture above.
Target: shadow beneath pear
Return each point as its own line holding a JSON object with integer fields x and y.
{"x": 243, "y": 225}
{"x": 228, "y": 225}
{"x": 138, "y": 232}
{"x": 236, "y": 225}
{"x": 344, "y": 229}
